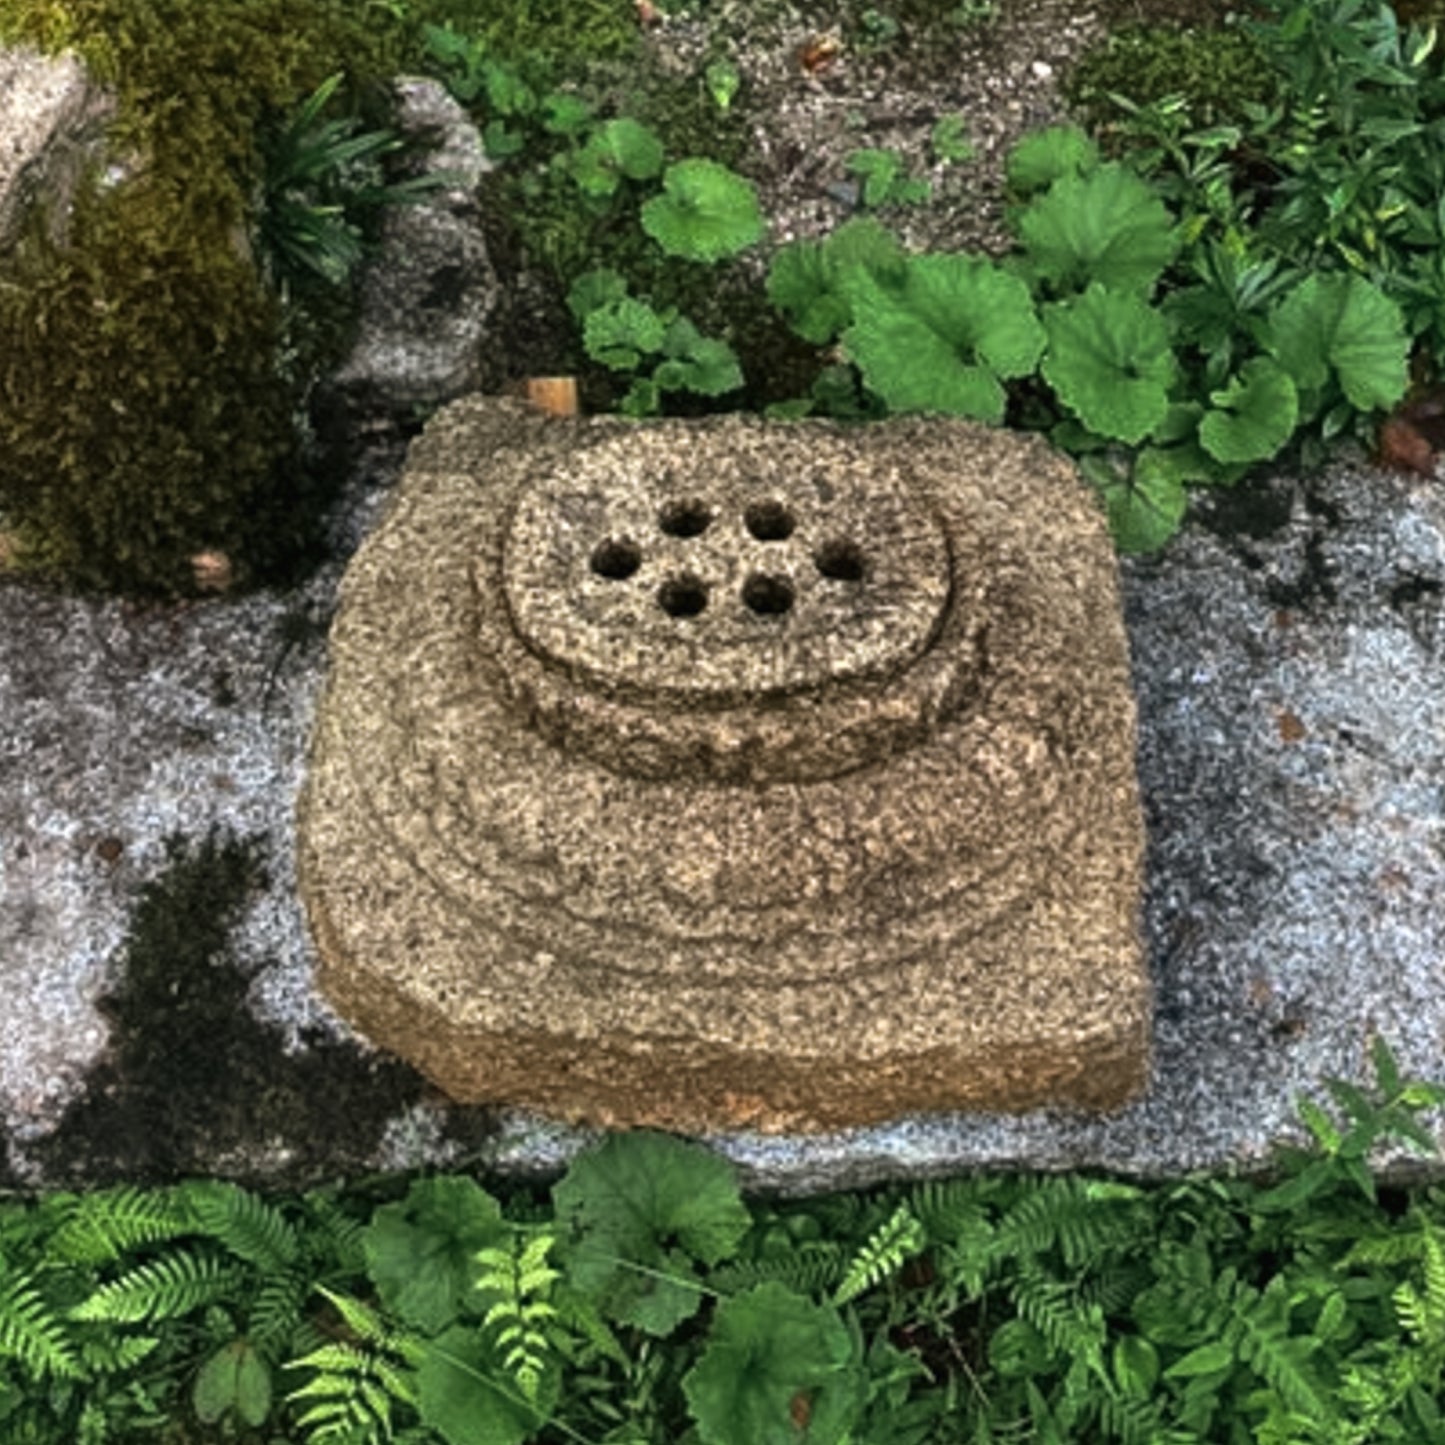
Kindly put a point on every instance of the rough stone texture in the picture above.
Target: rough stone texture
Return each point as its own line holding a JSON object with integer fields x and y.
{"x": 429, "y": 292}
{"x": 1292, "y": 888}
{"x": 51, "y": 125}
{"x": 727, "y": 772}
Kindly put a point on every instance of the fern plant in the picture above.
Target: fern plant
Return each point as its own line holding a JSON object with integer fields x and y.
{"x": 520, "y": 1282}
{"x": 355, "y": 1383}
{"x": 648, "y": 1301}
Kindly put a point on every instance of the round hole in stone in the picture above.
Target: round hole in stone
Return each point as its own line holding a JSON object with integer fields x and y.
{"x": 686, "y": 518}
{"x": 769, "y": 521}
{"x": 616, "y": 559}
{"x": 840, "y": 561}
{"x": 682, "y": 596}
{"x": 768, "y": 596}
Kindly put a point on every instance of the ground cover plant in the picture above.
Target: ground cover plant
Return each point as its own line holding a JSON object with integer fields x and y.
{"x": 642, "y": 1300}
{"x": 1238, "y": 272}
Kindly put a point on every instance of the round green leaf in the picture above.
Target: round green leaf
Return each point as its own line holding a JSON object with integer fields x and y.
{"x": 774, "y": 1359}
{"x": 253, "y": 1389}
{"x": 1346, "y": 325}
{"x": 650, "y": 1200}
{"x": 941, "y": 340}
{"x": 595, "y": 289}
{"x": 1256, "y": 417}
{"x": 215, "y": 1389}
{"x": 467, "y": 1396}
{"x": 1107, "y": 227}
{"x": 234, "y": 1376}
{"x": 1016, "y": 1350}
{"x": 618, "y": 333}
{"x": 709, "y": 367}
{"x": 1145, "y": 507}
{"x": 706, "y": 212}
{"x": 633, "y": 148}
{"x": 1043, "y": 156}
{"x": 1109, "y": 361}
{"x": 805, "y": 280}
{"x": 419, "y": 1252}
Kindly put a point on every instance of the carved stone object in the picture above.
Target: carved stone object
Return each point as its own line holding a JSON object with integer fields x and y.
{"x": 729, "y": 773}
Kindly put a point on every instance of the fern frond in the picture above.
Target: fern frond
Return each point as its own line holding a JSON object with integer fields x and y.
{"x": 114, "y": 1354}
{"x": 814, "y": 1266}
{"x": 1115, "y": 1287}
{"x": 949, "y": 1208}
{"x": 162, "y": 1289}
{"x": 1139, "y": 1422}
{"x": 103, "y": 1226}
{"x": 1397, "y": 1247}
{"x": 250, "y": 1228}
{"x": 361, "y": 1320}
{"x": 277, "y": 1311}
{"x": 1434, "y": 1279}
{"x": 578, "y": 1315}
{"x": 899, "y": 1238}
{"x": 354, "y": 1388}
{"x": 33, "y": 1333}
{"x": 518, "y": 1315}
{"x": 338, "y": 1234}
{"x": 1032, "y": 1226}
{"x": 335, "y": 1357}
{"x": 1075, "y": 1331}
{"x": 1281, "y": 1359}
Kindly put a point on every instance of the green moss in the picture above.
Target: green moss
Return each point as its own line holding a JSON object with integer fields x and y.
{"x": 1213, "y": 69}
{"x": 565, "y": 30}
{"x": 151, "y": 388}
{"x": 144, "y": 415}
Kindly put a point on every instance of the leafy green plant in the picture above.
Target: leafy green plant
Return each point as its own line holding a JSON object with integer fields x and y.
{"x": 354, "y": 1385}
{"x": 722, "y": 79}
{"x": 638, "y": 1219}
{"x": 949, "y": 139}
{"x": 511, "y": 95}
{"x": 650, "y": 1302}
{"x": 777, "y": 1369}
{"x": 885, "y": 181}
{"x": 616, "y": 150}
{"x": 620, "y": 332}
{"x": 706, "y": 212}
{"x": 316, "y": 175}
{"x": 1150, "y": 396}
{"x": 1334, "y": 164}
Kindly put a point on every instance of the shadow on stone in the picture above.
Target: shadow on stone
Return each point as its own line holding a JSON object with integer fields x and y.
{"x": 192, "y": 1081}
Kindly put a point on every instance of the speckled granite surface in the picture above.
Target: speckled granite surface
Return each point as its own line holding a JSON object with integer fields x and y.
{"x": 1291, "y": 695}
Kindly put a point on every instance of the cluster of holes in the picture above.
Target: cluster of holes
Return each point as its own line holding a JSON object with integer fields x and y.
{"x": 763, "y": 594}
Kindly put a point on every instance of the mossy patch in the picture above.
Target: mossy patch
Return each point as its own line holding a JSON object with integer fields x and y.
{"x": 144, "y": 416}
{"x": 1214, "y": 70}
{"x": 192, "y": 1082}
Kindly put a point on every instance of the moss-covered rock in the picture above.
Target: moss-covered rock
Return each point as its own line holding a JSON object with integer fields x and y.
{"x": 144, "y": 416}
{"x": 151, "y": 386}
